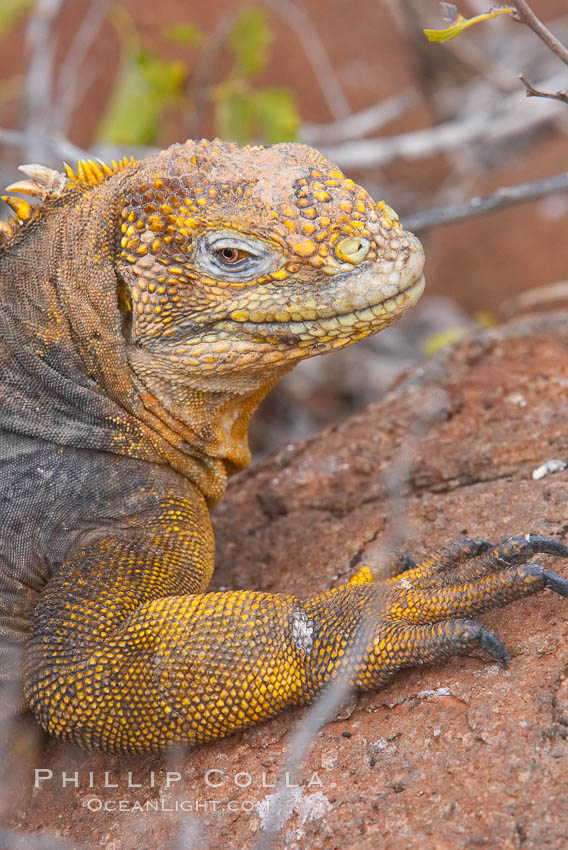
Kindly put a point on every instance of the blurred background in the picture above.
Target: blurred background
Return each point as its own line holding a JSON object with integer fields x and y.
{"x": 418, "y": 124}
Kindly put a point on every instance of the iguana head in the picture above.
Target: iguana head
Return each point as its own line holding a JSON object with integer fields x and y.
{"x": 240, "y": 260}
{"x": 190, "y": 282}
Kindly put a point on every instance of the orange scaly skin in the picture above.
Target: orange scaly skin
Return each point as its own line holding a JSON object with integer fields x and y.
{"x": 146, "y": 309}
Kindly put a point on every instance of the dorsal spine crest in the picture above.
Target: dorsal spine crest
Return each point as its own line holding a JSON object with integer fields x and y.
{"x": 91, "y": 172}
{"x": 44, "y": 183}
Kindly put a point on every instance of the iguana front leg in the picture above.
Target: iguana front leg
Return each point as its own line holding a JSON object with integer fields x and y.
{"x": 129, "y": 654}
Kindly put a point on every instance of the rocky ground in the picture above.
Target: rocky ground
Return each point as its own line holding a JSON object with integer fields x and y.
{"x": 463, "y": 755}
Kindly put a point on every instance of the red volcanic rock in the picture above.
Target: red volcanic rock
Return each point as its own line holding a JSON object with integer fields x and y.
{"x": 461, "y": 755}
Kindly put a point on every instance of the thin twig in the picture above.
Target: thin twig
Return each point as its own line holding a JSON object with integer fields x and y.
{"x": 507, "y": 196}
{"x": 316, "y": 54}
{"x": 54, "y": 146}
{"x": 69, "y": 90}
{"x": 532, "y": 92}
{"x": 534, "y": 298}
{"x": 89, "y": 73}
{"x": 39, "y": 77}
{"x": 525, "y": 15}
{"x": 205, "y": 70}
{"x": 507, "y": 120}
{"x": 360, "y": 123}
{"x": 67, "y": 150}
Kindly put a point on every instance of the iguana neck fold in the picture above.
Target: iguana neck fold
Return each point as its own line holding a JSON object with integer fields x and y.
{"x": 213, "y": 424}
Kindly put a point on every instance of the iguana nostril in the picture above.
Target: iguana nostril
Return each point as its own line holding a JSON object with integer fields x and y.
{"x": 352, "y": 249}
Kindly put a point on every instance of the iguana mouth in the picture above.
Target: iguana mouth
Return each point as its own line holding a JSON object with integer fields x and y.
{"x": 304, "y": 331}
{"x": 341, "y": 325}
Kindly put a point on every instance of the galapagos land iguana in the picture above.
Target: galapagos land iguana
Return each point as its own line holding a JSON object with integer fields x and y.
{"x": 146, "y": 309}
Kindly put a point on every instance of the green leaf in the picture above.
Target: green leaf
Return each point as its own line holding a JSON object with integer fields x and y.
{"x": 10, "y": 13}
{"x": 184, "y": 32}
{"x": 145, "y": 86}
{"x": 243, "y": 114}
{"x": 276, "y": 115}
{"x": 249, "y": 41}
{"x": 164, "y": 79}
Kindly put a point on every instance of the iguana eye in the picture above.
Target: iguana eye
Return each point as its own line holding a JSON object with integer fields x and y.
{"x": 232, "y": 255}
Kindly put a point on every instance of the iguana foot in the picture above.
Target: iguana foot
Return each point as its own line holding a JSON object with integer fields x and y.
{"x": 426, "y": 612}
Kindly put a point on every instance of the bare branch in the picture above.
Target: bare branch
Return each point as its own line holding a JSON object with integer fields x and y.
{"x": 11, "y": 138}
{"x": 69, "y": 90}
{"x": 532, "y": 92}
{"x": 204, "y": 71}
{"x": 525, "y": 15}
{"x": 57, "y": 147}
{"x": 66, "y": 150}
{"x": 360, "y": 123}
{"x": 503, "y": 198}
{"x": 507, "y": 119}
{"x": 316, "y": 55}
{"x": 39, "y": 77}
{"x": 535, "y": 298}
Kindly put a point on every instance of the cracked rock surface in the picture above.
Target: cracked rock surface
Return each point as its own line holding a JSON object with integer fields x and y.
{"x": 462, "y": 755}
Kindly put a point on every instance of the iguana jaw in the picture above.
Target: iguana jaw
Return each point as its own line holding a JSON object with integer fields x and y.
{"x": 329, "y": 331}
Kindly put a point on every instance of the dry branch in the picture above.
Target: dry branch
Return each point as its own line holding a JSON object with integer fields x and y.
{"x": 532, "y": 92}
{"x": 316, "y": 54}
{"x": 525, "y": 15}
{"x": 507, "y": 120}
{"x": 507, "y": 196}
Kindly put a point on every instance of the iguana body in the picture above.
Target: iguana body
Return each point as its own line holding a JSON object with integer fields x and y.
{"x": 146, "y": 310}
